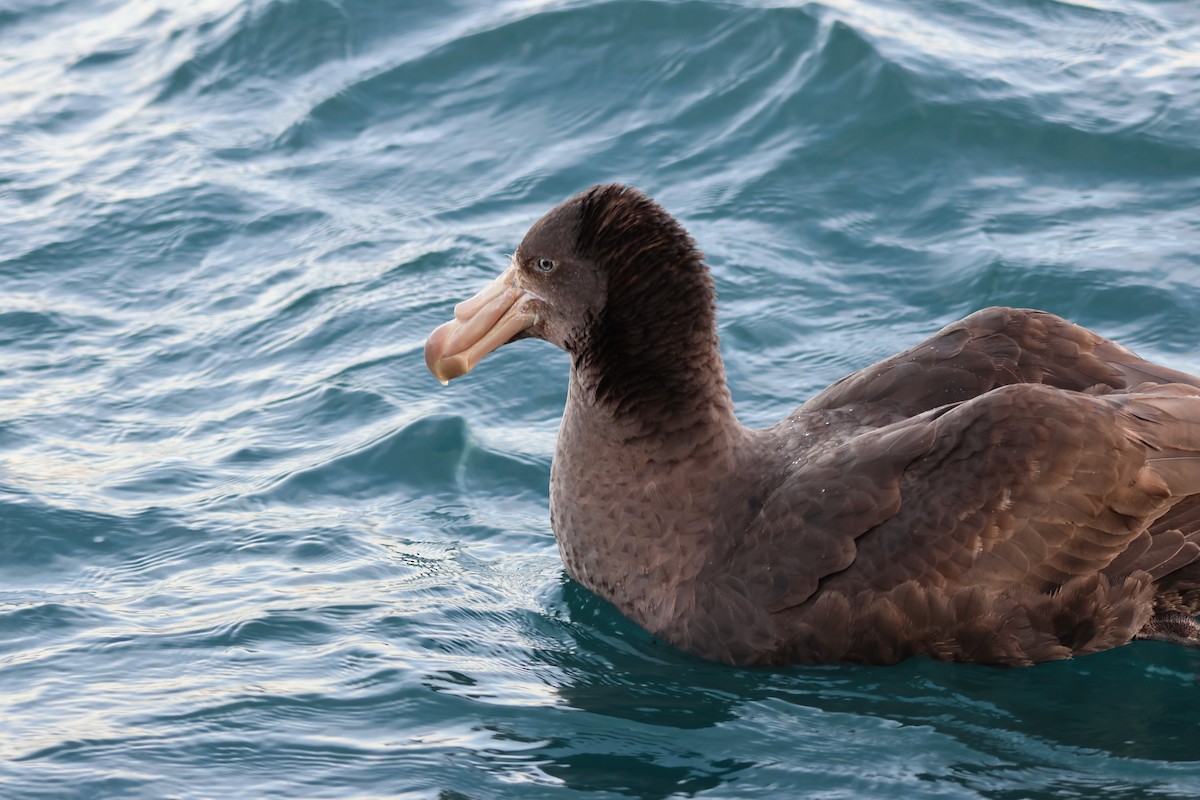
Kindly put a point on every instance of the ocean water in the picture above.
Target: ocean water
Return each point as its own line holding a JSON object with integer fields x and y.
{"x": 249, "y": 548}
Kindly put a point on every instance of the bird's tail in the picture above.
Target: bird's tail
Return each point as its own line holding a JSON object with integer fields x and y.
{"x": 1175, "y": 627}
{"x": 1167, "y": 420}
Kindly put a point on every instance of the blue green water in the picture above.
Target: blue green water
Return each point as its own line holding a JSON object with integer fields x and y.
{"x": 250, "y": 548}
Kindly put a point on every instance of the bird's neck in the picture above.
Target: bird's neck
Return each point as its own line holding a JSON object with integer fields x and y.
{"x": 665, "y": 393}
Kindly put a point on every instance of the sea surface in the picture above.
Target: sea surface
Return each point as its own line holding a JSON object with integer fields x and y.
{"x": 249, "y": 548}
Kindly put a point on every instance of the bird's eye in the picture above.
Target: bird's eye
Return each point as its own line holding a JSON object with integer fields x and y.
{"x": 544, "y": 265}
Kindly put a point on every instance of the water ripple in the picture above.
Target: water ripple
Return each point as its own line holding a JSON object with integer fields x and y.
{"x": 250, "y": 548}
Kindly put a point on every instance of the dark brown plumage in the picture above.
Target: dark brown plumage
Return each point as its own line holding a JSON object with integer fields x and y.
{"x": 1014, "y": 489}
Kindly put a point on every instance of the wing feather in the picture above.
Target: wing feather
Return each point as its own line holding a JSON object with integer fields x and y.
{"x": 1006, "y": 490}
{"x": 991, "y": 348}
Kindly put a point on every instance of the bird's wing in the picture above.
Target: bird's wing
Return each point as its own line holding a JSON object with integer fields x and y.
{"x": 1024, "y": 486}
{"x": 991, "y": 348}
